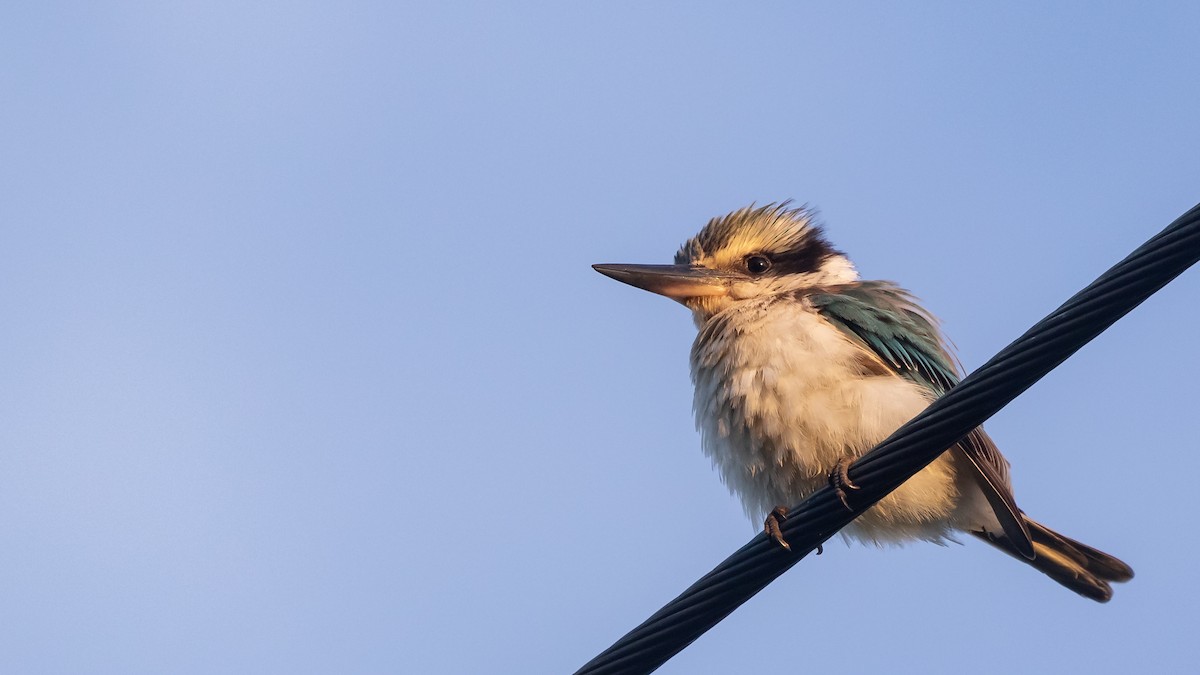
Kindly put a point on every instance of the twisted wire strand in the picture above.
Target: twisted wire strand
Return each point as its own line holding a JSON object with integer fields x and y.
{"x": 979, "y": 396}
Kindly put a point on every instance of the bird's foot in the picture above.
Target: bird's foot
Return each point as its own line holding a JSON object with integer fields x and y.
{"x": 771, "y": 526}
{"x": 839, "y": 480}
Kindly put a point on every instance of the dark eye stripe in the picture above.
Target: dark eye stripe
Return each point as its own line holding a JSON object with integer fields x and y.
{"x": 806, "y": 258}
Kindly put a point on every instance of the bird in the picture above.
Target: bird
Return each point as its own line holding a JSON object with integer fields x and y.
{"x": 800, "y": 367}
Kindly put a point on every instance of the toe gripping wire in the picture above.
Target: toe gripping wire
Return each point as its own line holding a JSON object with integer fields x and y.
{"x": 979, "y": 396}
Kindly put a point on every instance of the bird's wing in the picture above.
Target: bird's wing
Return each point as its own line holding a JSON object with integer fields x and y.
{"x": 887, "y": 320}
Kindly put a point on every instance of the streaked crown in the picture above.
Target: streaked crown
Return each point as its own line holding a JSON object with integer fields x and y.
{"x": 787, "y": 237}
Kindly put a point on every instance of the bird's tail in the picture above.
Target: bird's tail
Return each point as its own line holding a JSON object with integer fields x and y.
{"x": 1077, "y": 566}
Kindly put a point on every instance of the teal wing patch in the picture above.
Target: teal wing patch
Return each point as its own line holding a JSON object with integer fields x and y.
{"x": 887, "y": 320}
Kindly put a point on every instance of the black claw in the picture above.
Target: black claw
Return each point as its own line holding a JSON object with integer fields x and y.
{"x": 842, "y": 496}
{"x": 771, "y": 526}
{"x": 839, "y": 480}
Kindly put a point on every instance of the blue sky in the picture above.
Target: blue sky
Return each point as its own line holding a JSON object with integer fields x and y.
{"x": 306, "y": 369}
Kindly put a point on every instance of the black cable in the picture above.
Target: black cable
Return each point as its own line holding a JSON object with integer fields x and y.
{"x": 979, "y": 396}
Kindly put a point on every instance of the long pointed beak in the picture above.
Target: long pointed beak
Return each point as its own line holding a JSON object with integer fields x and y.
{"x": 678, "y": 282}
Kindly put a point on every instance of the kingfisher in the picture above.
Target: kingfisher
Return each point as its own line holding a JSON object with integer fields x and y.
{"x": 800, "y": 367}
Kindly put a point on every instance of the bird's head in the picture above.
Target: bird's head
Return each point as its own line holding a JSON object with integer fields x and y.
{"x": 747, "y": 254}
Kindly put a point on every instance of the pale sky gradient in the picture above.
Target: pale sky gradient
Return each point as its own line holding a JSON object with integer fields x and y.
{"x": 306, "y": 371}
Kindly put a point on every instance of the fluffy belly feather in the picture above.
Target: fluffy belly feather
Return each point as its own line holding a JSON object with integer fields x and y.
{"x": 781, "y": 396}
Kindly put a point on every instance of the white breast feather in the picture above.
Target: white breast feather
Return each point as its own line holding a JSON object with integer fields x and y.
{"x": 780, "y": 397}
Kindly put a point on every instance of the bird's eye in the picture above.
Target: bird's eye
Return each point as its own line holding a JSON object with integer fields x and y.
{"x": 757, "y": 264}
